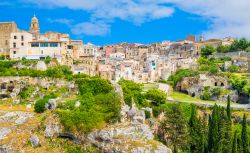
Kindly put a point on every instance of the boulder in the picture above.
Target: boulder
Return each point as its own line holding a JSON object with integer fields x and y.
{"x": 77, "y": 104}
{"x": 124, "y": 137}
{"x": 34, "y": 140}
{"x": 5, "y": 149}
{"x": 51, "y": 105}
{"x": 52, "y": 130}
{"x": 41, "y": 66}
{"x": 4, "y": 132}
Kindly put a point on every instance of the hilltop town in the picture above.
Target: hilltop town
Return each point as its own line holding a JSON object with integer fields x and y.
{"x": 64, "y": 95}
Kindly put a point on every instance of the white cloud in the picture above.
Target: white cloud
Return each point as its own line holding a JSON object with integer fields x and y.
{"x": 226, "y": 17}
{"x": 91, "y": 28}
{"x": 65, "y": 21}
{"x": 134, "y": 11}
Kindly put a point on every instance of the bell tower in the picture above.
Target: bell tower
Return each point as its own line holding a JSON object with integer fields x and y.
{"x": 34, "y": 26}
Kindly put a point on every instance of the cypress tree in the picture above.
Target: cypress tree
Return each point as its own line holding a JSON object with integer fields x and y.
{"x": 213, "y": 134}
{"x": 174, "y": 128}
{"x": 235, "y": 142}
{"x": 228, "y": 108}
{"x": 224, "y": 132}
{"x": 196, "y": 132}
{"x": 244, "y": 136}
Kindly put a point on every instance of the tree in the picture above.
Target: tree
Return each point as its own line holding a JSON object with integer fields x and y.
{"x": 213, "y": 133}
{"x": 240, "y": 44}
{"x": 233, "y": 68}
{"x": 174, "y": 128}
{"x": 157, "y": 96}
{"x": 181, "y": 73}
{"x": 228, "y": 108}
{"x": 225, "y": 129}
{"x": 223, "y": 49}
{"x": 47, "y": 59}
{"x": 234, "y": 146}
{"x": 244, "y": 135}
{"x": 133, "y": 90}
{"x": 207, "y": 50}
{"x": 196, "y": 132}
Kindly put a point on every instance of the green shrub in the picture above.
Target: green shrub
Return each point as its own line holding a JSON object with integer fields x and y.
{"x": 133, "y": 90}
{"x": 207, "y": 50}
{"x": 206, "y": 94}
{"x": 213, "y": 69}
{"x": 157, "y": 96}
{"x": 26, "y": 92}
{"x": 40, "y": 104}
{"x": 181, "y": 73}
{"x": 233, "y": 68}
{"x": 94, "y": 85}
{"x": 147, "y": 114}
{"x": 47, "y": 60}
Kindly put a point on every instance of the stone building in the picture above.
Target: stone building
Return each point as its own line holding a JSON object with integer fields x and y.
{"x": 6, "y": 28}
{"x": 19, "y": 44}
{"x": 34, "y": 27}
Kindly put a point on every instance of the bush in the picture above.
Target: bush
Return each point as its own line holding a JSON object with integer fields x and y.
{"x": 99, "y": 105}
{"x": 233, "y": 68}
{"x": 40, "y": 104}
{"x": 157, "y": 96}
{"x": 181, "y": 73}
{"x": 213, "y": 69}
{"x": 94, "y": 85}
{"x": 207, "y": 50}
{"x": 26, "y": 92}
{"x": 132, "y": 90}
{"x": 206, "y": 94}
{"x": 47, "y": 60}
{"x": 147, "y": 114}
{"x": 156, "y": 111}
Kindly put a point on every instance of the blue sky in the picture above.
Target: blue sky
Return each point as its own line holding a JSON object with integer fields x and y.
{"x": 142, "y": 21}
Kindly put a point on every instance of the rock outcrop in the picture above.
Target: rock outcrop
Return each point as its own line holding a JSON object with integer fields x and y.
{"x": 34, "y": 140}
{"x": 130, "y": 135}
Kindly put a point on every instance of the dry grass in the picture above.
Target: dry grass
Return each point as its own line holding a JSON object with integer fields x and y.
{"x": 16, "y": 108}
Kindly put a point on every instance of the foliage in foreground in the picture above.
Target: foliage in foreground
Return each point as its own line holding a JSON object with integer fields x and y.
{"x": 99, "y": 105}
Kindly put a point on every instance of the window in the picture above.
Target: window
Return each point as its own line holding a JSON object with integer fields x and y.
{"x": 14, "y": 52}
{"x": 53, "y": 45}
{"x": 22, "y": 44}
{"x": 14, "y": 45}
{"x": 34, "y": 45}
{"x": 44, "y": 45}
{"x": 6, "y": 42}
{"x": 15, "y": 37}
{"x": 22, "y": 38}
{"x": 41, "y": 51}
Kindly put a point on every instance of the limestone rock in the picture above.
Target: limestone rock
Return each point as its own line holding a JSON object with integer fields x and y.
{"x": 4, "y": 132}
{"x": 41, "y": 66}
{"x": 34, "y": 141}
{"x": 138, "y": 139}
{"x": 17, "y": 117}
{"x": 131, "y": 135}
{"x": 51, "y": 105}
{"x": 77, "y": 104}
{"x": 5, "y": 149}
{"x": 52, "y": 130}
